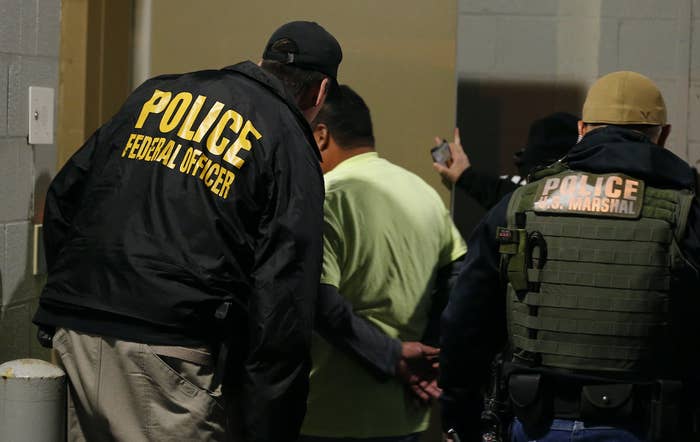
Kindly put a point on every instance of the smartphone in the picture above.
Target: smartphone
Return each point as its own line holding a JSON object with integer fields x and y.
{"x": 441, "y": 154}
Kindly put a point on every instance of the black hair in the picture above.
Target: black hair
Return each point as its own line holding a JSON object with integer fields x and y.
{"x": 548, "y": 139}
{"x": 297, "y": 81}
{"x": 347, "y": 117}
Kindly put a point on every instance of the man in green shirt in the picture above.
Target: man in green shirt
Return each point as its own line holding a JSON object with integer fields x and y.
{"x": 389, "y": 245}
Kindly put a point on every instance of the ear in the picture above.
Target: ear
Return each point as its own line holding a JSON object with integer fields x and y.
{"x": 322, "y": 92}
{"x": 312, "y": 101}
{"x": 321, "y": 136}
{"x": 582, "y": 128}
{"x": 663, "y": 136}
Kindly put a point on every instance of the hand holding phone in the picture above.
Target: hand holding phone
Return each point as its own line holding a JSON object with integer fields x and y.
{"x": 449, "y": 159}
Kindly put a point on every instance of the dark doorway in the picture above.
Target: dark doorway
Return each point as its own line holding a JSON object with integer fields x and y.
{"x": 494, "y": 117}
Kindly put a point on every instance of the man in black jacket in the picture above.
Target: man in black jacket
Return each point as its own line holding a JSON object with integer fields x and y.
{"x": 193, "y": 219}
{"x": 548, "y": 139}
{"x": 590, "y": 275}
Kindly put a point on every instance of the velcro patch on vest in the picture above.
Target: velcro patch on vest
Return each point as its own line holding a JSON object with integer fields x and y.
{"x": 506, "y": 236}
{"x": 609, "y": 195}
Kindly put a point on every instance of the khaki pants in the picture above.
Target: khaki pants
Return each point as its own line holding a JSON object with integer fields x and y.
{"x": 124, "y": 391}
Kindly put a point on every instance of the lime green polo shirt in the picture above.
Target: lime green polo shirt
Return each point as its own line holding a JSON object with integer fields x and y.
{"x": 386, "y": 233}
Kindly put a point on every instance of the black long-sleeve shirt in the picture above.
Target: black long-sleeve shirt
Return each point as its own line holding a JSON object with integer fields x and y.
{"x": 488, "y": 190}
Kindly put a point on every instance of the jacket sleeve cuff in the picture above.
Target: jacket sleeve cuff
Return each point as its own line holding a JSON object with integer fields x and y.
{"x": 466, "y": 179}
{"x": 394, "y": 355}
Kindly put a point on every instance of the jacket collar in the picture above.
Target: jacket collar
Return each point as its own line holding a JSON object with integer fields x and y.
{"x": 615, "y": 149}
{"x": 274, "y": 85}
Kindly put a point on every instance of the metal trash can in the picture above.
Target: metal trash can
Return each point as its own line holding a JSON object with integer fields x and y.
{"x": 32, "y": 401}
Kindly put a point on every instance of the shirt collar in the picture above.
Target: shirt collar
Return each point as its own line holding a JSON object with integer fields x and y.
{"x": 357, "y": 160}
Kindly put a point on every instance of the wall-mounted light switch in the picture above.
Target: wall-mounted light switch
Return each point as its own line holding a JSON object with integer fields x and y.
{"x": 40, "y": 115}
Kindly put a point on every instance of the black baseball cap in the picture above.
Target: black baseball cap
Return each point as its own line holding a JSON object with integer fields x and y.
{"x": 549, "y": 139}
{"x": 316, "y": 48}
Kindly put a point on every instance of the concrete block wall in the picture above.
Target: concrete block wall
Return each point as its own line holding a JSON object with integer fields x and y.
{"x": 567, "y": 44}
{"x": 29, "y": 42}
{"x": 694, "y": 96}
{"x": 521, "y": 60}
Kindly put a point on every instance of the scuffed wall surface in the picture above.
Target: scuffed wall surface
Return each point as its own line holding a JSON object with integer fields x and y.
{"x": 29, "y": 37}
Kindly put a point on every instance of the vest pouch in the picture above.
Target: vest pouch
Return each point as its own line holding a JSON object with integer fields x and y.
{"x": 512, "y": 247}
{"x": 611, "y": 403}
{"x": 531, "y": 402}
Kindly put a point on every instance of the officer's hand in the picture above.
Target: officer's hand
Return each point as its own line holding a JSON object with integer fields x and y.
{"x": 44, "y": 335}
{"x": 418, "y": 369}
{"x": 459, "y": 163}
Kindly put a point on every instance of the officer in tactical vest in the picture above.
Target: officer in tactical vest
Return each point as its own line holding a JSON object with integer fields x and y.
{"x": 588, "y": 279}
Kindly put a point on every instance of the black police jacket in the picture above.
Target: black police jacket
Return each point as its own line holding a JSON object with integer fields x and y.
{"x": 474, "y": 322}
{"x": 204, "y": 188}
